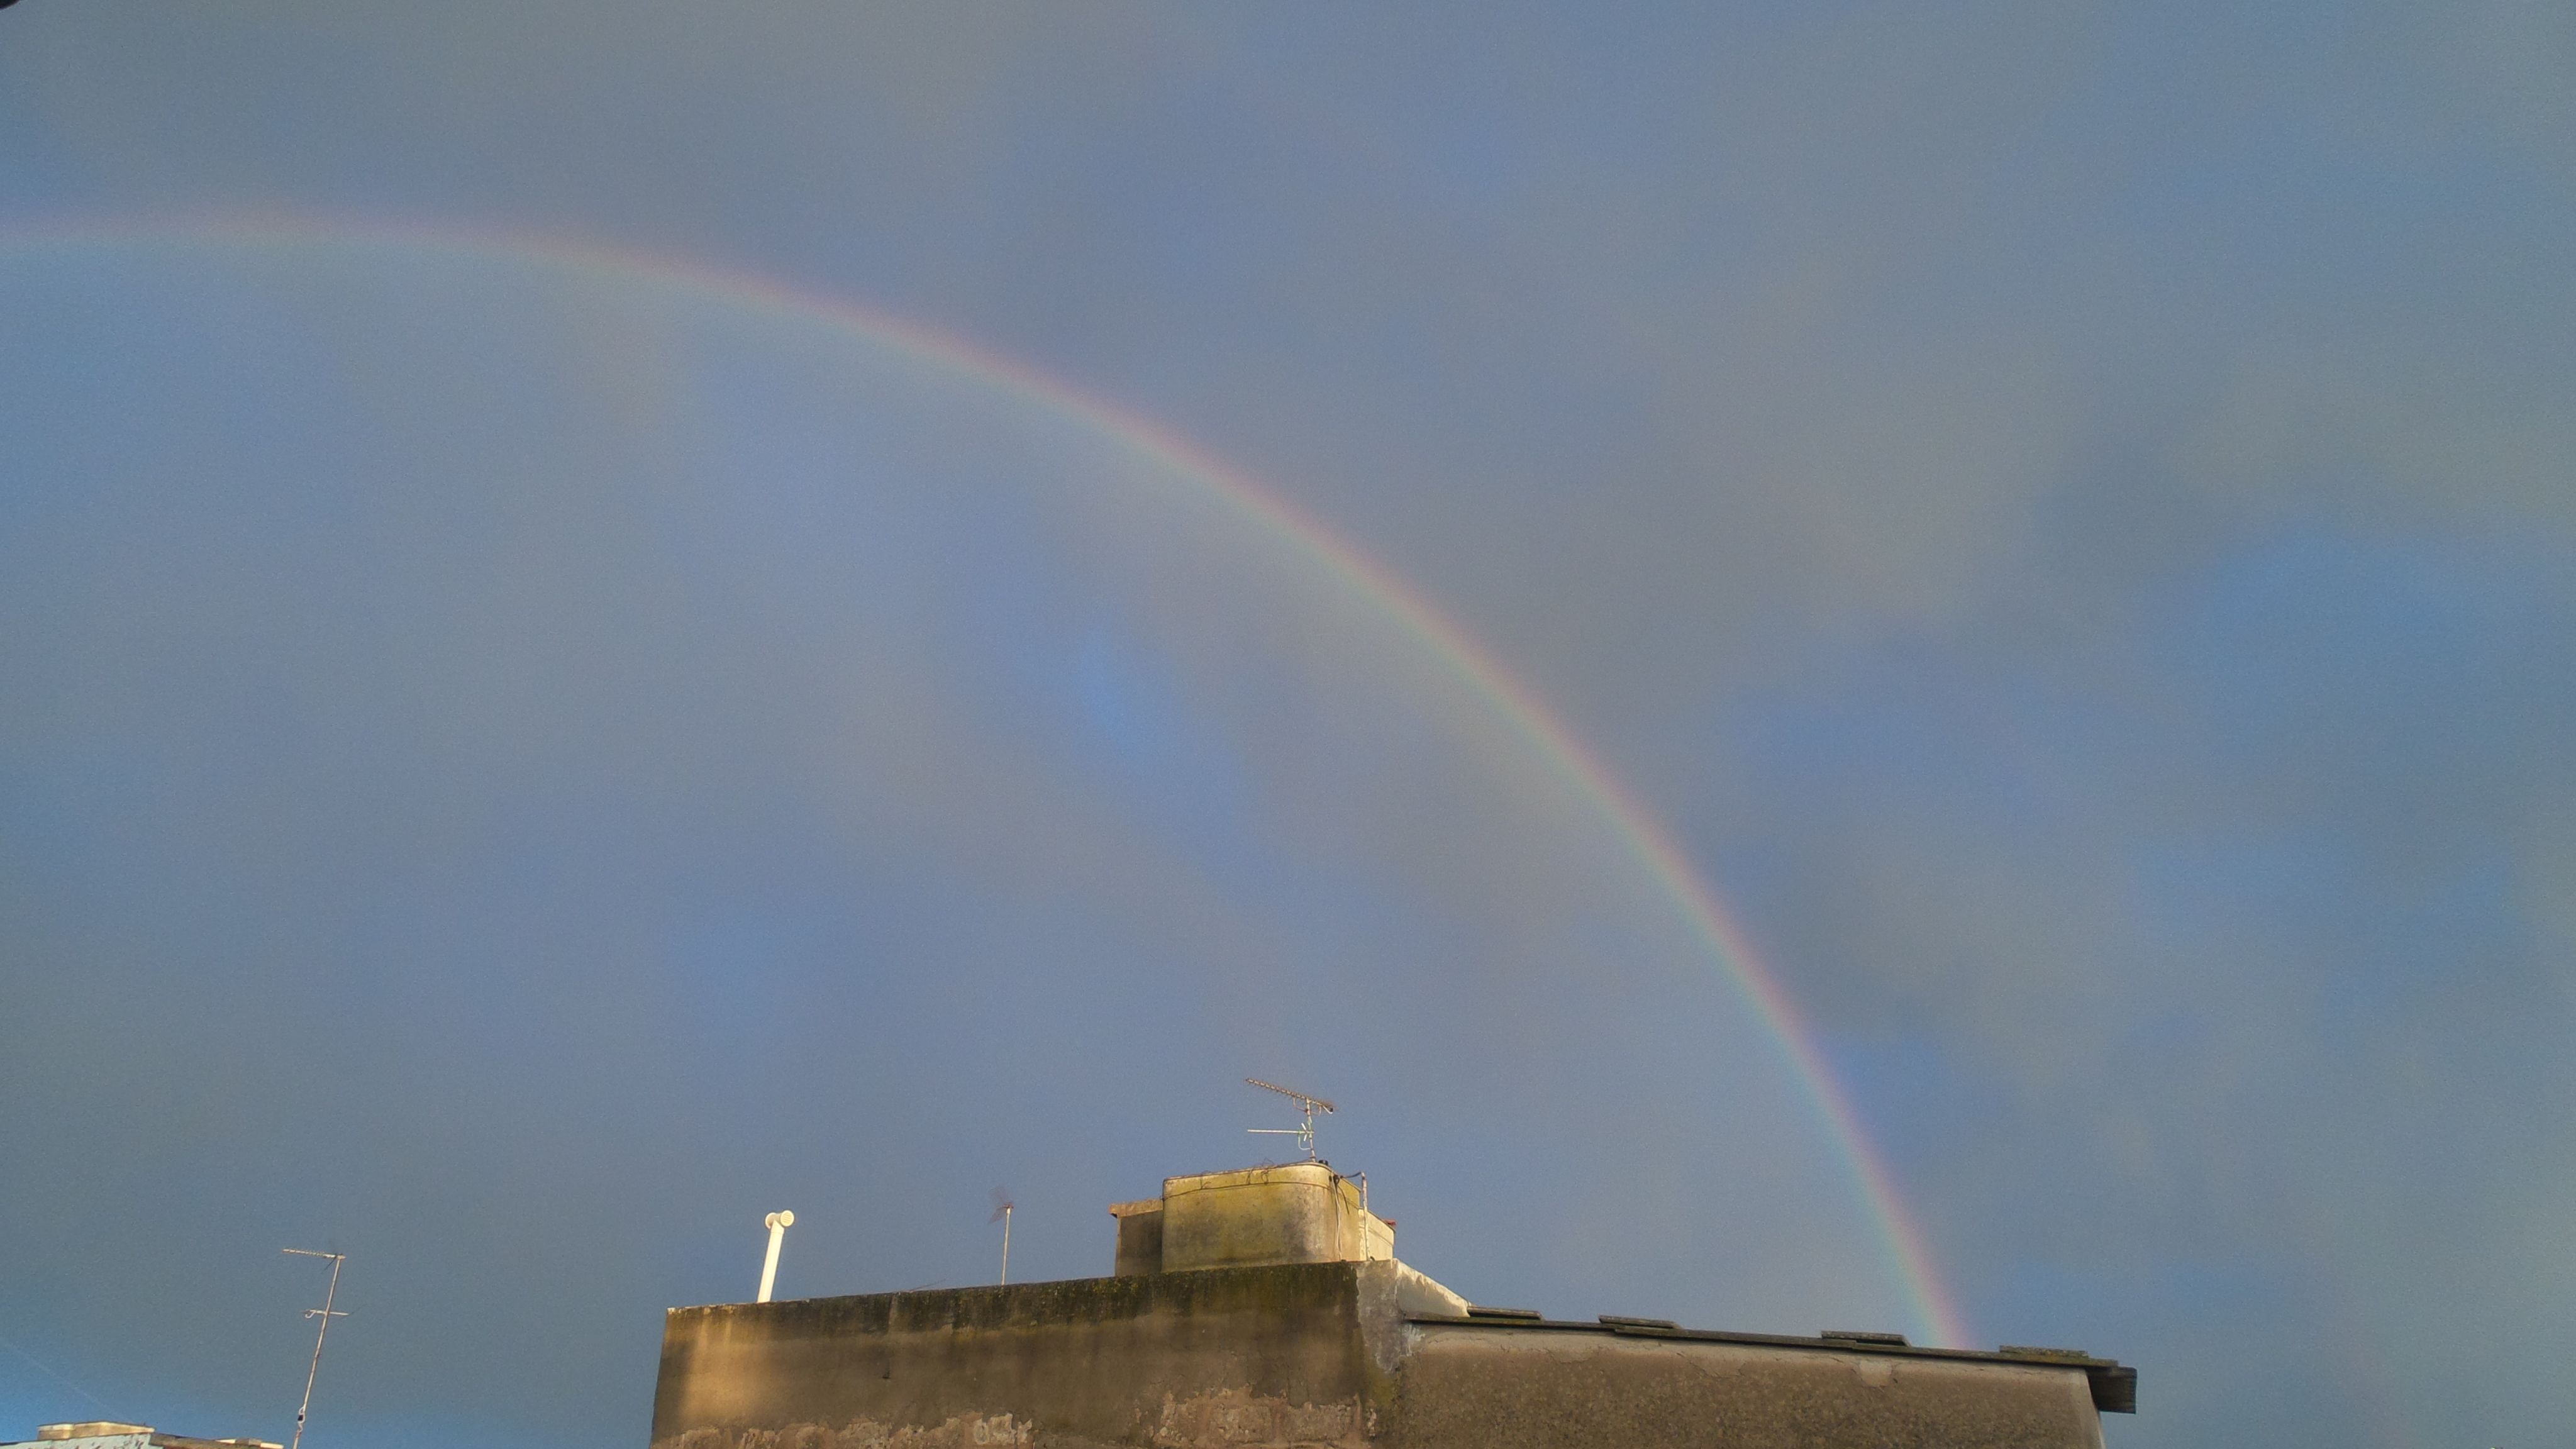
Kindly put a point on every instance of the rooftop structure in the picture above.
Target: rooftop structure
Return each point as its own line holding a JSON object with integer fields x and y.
{"x": 1301, "y": 1213}
{"x": 1266, "y": 1308}
{"x": 107, "y": 1434}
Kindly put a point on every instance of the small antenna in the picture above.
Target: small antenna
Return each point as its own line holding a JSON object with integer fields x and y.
{"x": 326, "y": 1313}
{"x": 1003, "y": 1207}
{"x": 778, "y": 1223}
{"x": 1304, "y": 1134}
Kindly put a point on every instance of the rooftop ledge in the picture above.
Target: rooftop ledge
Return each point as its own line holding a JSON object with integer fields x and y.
{"x": 2114, "y": 1384}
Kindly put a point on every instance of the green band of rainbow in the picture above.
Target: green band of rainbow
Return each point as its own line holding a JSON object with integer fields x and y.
{"x": 1545, "y": 733}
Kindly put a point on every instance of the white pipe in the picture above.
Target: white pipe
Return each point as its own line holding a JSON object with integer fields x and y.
{"x": 779, "y": 1223}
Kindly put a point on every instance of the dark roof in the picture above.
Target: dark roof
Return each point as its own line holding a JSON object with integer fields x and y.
{"x": 2114, "y": 1384}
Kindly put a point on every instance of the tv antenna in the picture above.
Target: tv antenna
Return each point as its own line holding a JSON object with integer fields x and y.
{"x": 1305, "y": 1134}
{"x": 326, "y": 1313}
{"x": 1003, "y": 1207}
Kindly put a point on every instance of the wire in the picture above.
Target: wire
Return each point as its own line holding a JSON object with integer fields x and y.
{"x": 57, "y": 1378}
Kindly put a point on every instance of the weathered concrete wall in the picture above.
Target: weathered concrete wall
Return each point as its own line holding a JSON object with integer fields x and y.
{"x": 1140, "y": 1237}
{"x": 1312, "y": 1356}
{"x": 1303, "y": 1212}
{"x": 1247, "y": 1356}
{"x": 1469, "y": 1385}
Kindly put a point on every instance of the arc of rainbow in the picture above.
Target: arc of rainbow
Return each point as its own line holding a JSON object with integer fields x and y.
{"x": 1546, "y": 734}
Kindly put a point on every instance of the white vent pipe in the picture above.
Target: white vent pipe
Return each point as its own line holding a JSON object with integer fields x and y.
{"x": 779, "y": 1223}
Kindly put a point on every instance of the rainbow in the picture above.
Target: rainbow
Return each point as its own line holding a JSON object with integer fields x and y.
{"x": 1528, "y": 717}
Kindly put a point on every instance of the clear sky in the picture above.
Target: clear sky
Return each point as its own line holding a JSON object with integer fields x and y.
{"x": 602, "y": 632}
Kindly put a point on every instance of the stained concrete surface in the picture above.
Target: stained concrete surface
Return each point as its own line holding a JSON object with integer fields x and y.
{"x": 1470, "y": 1385}
{"x": 1314, "y": 1355}
{"x": 1300, "y": 1212}
{"x": 1095, "y": 1360}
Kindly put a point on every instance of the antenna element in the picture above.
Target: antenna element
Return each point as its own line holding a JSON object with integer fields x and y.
{"x": 326, "y": 1313}
{"x": 1309, "y": 1106}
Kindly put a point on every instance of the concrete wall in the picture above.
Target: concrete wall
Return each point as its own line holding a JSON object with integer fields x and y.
{"x": 1300, "y": 1213}
{"x": 1309, "y": 1356}
{"x": 1140, "y": 1238}
{"x": 1467, "y": 1384}
{"x": 1244, "y": 1356}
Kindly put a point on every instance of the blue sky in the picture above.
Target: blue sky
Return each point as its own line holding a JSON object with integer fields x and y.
{"x": 2064, "y": 511}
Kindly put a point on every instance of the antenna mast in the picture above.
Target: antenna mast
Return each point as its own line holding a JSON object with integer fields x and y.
{"x": 1309, "y": 1106}
{"x": 1003, "y": 1207}
{"x": 326, "y": 1313}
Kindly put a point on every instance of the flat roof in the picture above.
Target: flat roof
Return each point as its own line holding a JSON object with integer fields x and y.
{"x": 2114, "y": 1384}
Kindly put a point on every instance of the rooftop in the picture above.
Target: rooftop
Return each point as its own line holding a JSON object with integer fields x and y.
{"x": 111, "y": 1434}
{"x": 2114, "y": 1384}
